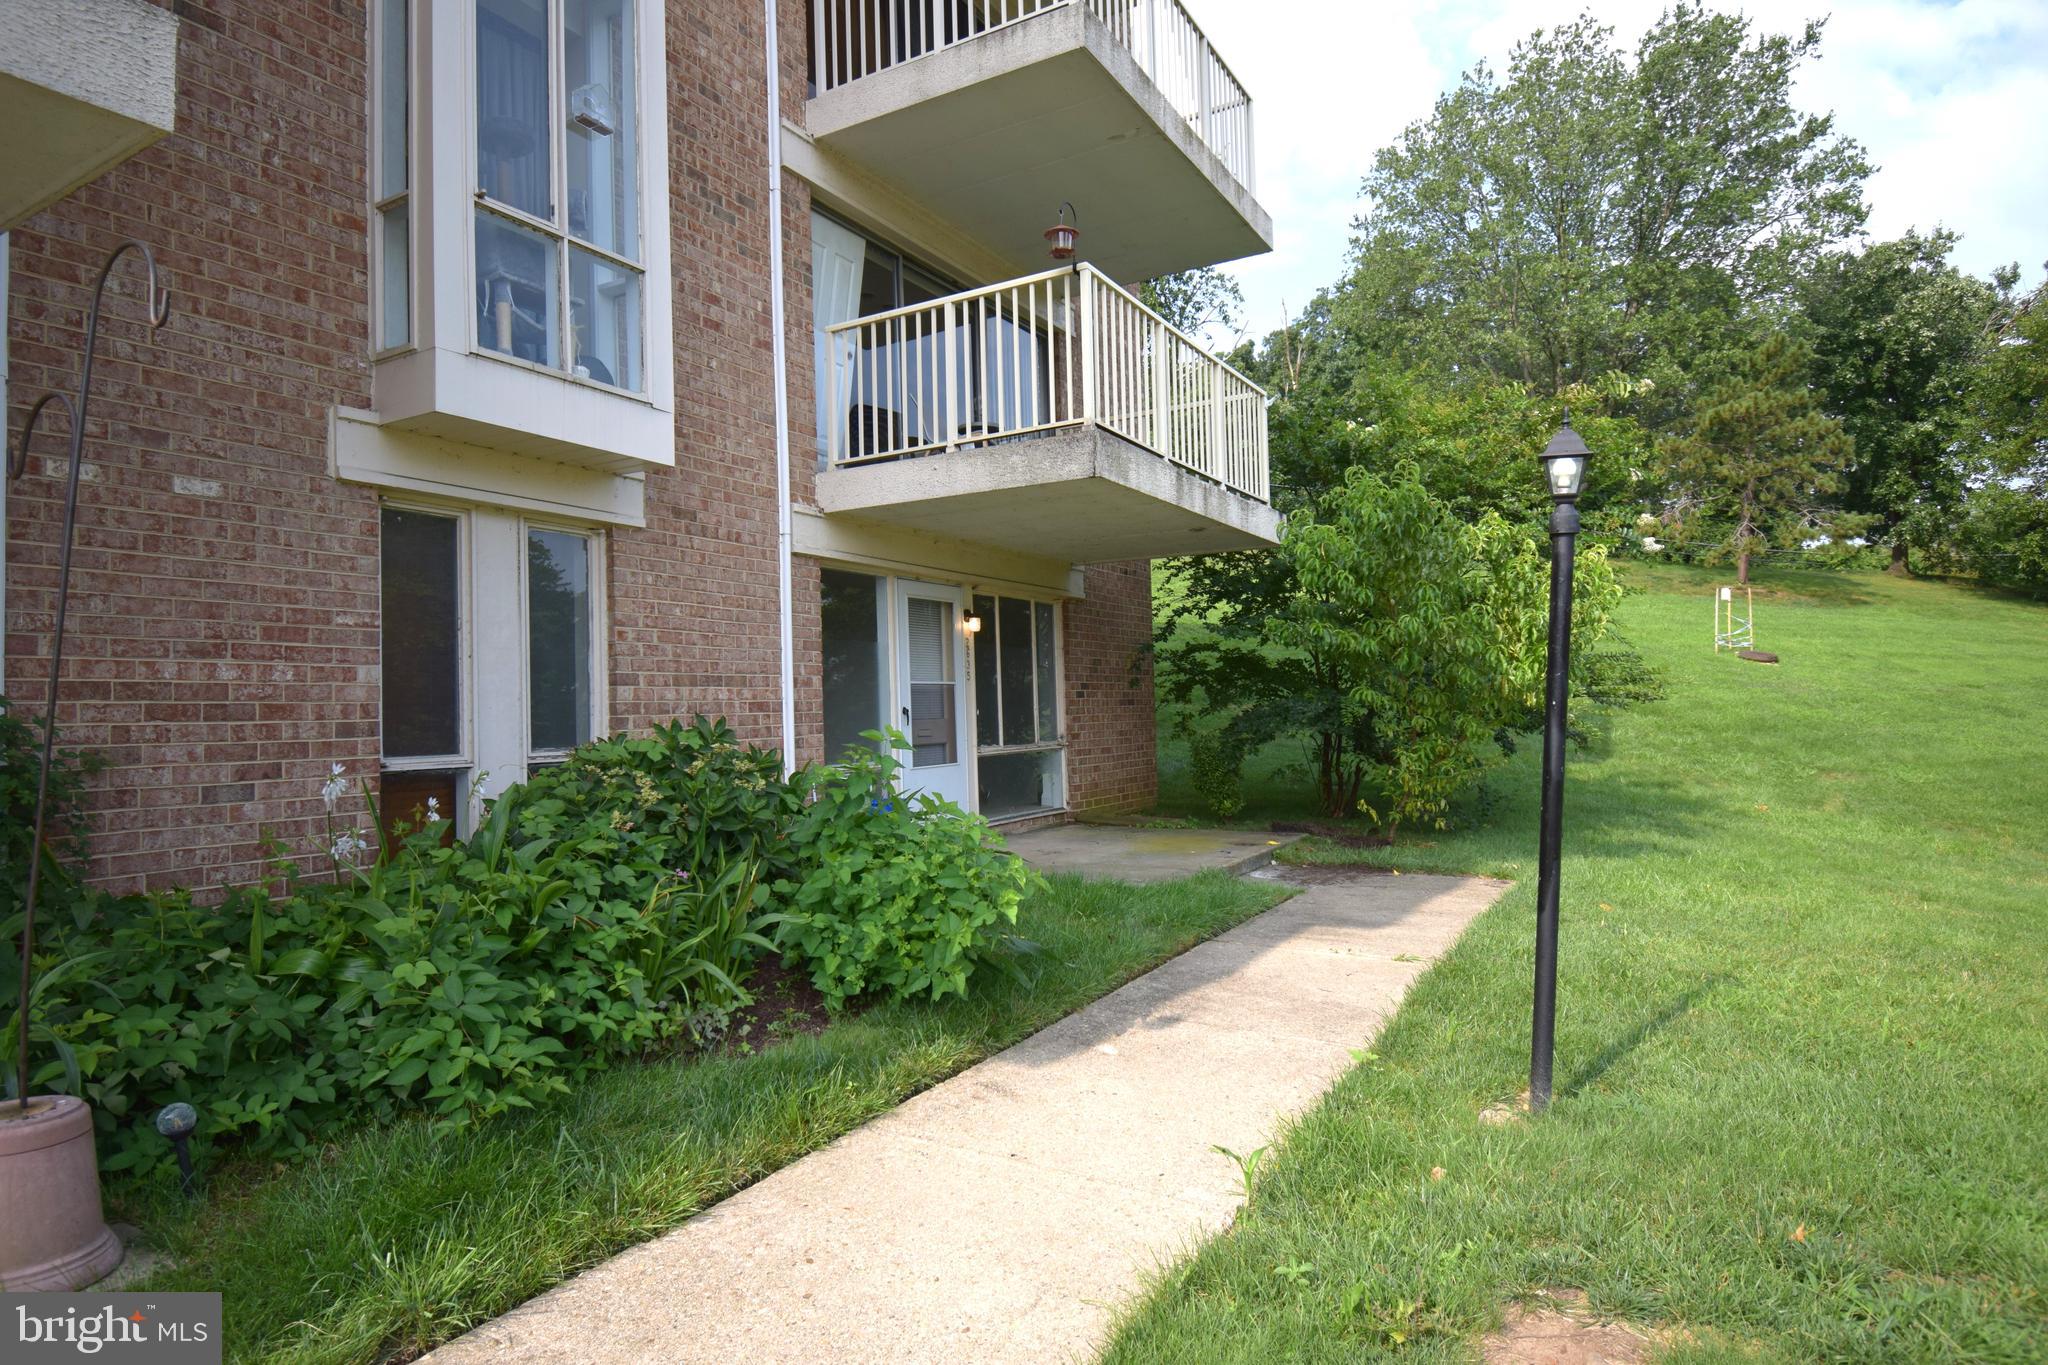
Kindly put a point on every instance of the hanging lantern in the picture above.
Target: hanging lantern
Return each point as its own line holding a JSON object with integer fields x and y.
{"x": 1063, "y": 235}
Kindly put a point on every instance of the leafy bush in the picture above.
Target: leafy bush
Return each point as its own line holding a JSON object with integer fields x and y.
{"x": 1394, "y": 637}
{"x": 609, "y": 906}
{"x": 900, "y": 895}
{"x": 1216, "y": 764}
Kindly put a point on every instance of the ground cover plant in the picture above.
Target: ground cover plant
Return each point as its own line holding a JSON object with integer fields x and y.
{"x": 611, "y": 907}
{"x": 400, "y": 1237}
{"x": 1801, "y": 1072}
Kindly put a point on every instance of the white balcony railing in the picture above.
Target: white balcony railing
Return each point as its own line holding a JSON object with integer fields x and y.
{"x": 1065, "y": 348}
{"x": 855, "y": 38}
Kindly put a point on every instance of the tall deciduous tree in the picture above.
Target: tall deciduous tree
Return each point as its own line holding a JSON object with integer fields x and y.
{"x": 1197, "y": 301}
{"x": 1896, "y": 331}
{"x": 1761, "y": 457}
{"x": 2003, "y": 437}
{"x": 1396, "y": 638}
{"x": 1587, "y": 213}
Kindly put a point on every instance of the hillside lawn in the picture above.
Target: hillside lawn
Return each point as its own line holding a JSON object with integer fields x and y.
{"x": 1802, "y": 1048}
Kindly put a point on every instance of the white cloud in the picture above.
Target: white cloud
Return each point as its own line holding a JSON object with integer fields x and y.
{"x": 1945, "y": 96}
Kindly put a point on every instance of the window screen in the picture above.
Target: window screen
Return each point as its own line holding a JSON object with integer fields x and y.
{"x": 1016, "y": 673}
{"x": 850, "y": 605}
{"x": 558, "y": 630}
{"x": 422, "y": 634}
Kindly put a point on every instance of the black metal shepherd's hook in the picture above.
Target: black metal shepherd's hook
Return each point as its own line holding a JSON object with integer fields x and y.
{"x": 17, "y": 464}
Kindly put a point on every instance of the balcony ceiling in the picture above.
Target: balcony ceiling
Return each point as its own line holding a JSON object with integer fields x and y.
{"x": 992, "y": 134}
{"x": 84, "y": 85}
{"x": 1084, "y": 496}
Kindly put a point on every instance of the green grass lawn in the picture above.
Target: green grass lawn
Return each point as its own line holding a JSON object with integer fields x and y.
{"x": 1802, "y": 1050}
{"x": 400, "y": 1239}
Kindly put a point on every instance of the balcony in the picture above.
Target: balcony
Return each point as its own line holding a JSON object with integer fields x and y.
{"x": 1053, "y": 415}
{"x": 991, "y": 113}
{"x": 84, "y": 85}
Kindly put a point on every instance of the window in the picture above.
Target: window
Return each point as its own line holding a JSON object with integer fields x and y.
{"x": 928, "y": 649}
{"x": 1016, "y": 673}
{"x": 493, "y": 650}
{"x": 892, "y": 389}
{"x": 558, "y": 621}
{"x": 559, "y": 268}
{"x": 517, "y": 211}
{"x": 1016, "y": 701}
{"x": 422, "y": 623}
{"x": 852, "y": 613}
{"x": 391, "y": 173}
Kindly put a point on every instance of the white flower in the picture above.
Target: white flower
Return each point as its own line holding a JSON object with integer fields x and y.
{"x": 331, "y": 790}
{"x": 433, "y": 808}
{"x": 348, "y": 846}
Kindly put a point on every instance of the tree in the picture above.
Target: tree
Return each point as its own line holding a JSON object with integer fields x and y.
{"x": 2002, "y": 426}
{"x": 1588, "y": 214}
{"x": 1196, "y": 301}
{"x": 1896, "y": 331}
{"x": 1395, "y": 638}
{"x": 1761, "y": 456}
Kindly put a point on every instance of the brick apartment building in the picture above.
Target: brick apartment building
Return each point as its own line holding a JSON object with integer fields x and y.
{"x": 462, "y": 442}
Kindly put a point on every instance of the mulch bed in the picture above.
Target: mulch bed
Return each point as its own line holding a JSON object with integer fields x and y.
{"x": 785, "y": 1004}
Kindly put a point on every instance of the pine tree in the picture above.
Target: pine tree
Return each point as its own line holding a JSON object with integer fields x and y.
{"x": 1761, "y": 453}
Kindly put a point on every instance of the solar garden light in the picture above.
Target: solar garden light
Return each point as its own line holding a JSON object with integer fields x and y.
{"x": 1564, "y": 471}
{"x": 176, "y": 1122}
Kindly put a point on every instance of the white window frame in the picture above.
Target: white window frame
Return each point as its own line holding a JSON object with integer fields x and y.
{"x": 558, "y": 232}
{"x": 445, "y": 383}
{"x": 892, "y": 586}
{"x": 1059, "y": 672}
{"x": 600, "y": 675}
{"x": 465, "y": 648}
{"x": 497, "y": 733}
{"x": 1058, "y": 743}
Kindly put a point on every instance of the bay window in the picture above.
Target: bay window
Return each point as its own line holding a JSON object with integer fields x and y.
{"x": 519, "y": 230}
{"x": 391, "y": 173}
{"x": 558, "y": 187}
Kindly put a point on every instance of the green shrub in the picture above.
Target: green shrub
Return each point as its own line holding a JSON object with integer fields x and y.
{"x": 611, "y": 905}
{"x": 1216, "y": 766}
{"x": 901, "y": 896}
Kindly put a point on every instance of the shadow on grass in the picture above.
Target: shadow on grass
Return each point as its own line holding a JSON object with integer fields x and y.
{"x": 1607, "y": 1058}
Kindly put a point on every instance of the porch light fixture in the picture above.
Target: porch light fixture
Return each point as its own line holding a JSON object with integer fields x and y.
{"x": 1564, "y": 470}
{"x": 1063, "y": 234}
{"x": 971, "y": 624}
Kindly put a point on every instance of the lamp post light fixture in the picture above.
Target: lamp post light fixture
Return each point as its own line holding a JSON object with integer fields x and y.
{"x": 1564, "y": 471}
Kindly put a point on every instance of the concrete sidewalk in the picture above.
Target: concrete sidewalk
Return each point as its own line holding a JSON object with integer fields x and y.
{"x": 1002, "y": 1215}
{"x": 1127, "y": 853}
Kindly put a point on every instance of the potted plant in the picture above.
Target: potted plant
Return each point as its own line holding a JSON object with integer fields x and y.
{"x": 53, "y": 1235}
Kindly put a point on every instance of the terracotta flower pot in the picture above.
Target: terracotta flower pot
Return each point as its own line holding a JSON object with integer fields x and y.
{"x": 52, "y": 1234}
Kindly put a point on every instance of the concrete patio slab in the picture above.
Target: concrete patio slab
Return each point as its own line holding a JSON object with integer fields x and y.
{"x": 1004, "y": 1215}
{"x": 1128, "y": 853}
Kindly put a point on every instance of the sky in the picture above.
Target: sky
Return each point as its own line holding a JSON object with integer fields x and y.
{"x": 1950, "y": 100}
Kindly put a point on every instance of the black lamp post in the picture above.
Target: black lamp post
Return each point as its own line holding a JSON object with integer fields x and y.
{"x": 1564, "y": 470}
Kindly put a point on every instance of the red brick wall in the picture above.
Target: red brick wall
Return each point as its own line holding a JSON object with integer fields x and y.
{"x": 222, "y": 646}
{"x": 223, "y": 650}
{"x": 1112, "y": 758}
{"x": 693, "y": 596}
